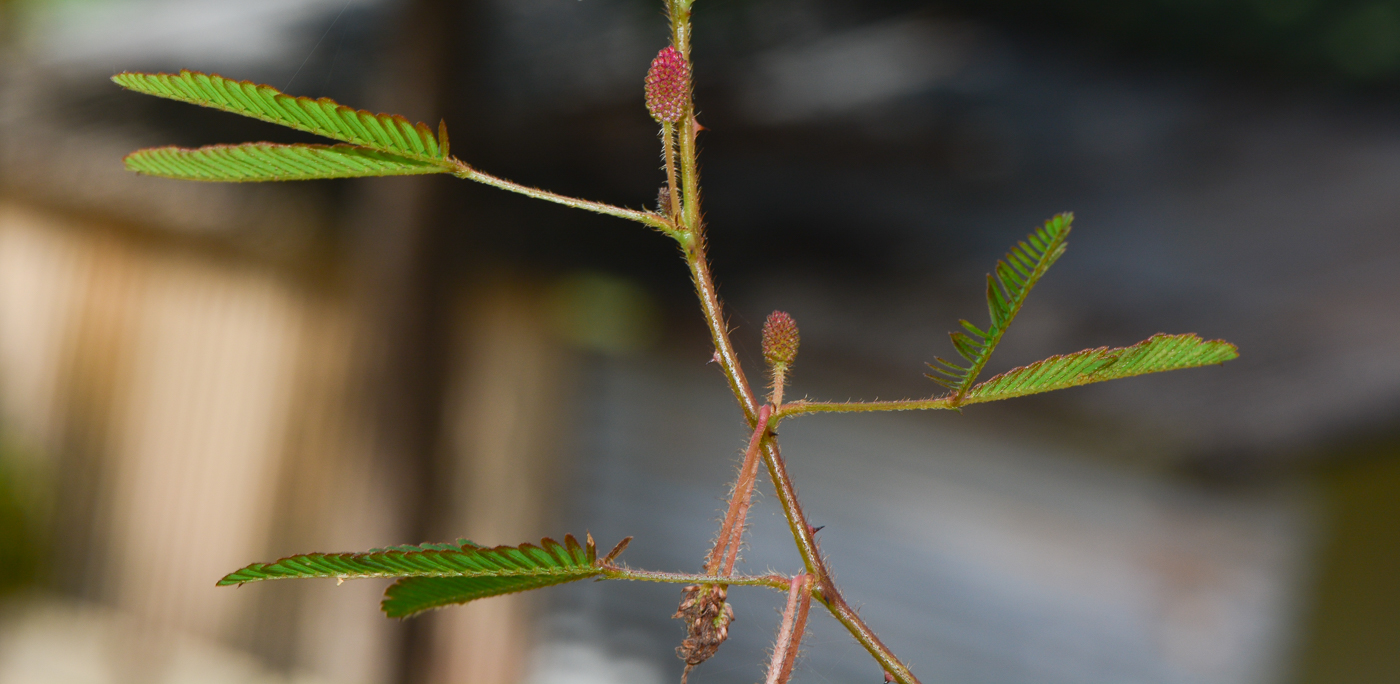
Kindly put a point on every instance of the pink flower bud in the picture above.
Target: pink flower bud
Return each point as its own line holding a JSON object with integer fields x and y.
{"x": 668, "y": 85}
{"x": 780, "y": 339}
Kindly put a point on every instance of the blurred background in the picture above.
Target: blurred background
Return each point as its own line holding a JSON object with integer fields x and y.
{"x": 194, "y": 377}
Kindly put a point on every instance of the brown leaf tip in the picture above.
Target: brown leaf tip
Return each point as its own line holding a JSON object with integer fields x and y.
{"x": 667, "y": 85}
{"x": 780, "y": 339}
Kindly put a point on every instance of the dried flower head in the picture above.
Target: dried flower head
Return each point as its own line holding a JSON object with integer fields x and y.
{"x": 668, "y": 85}
{"x": 780, "y": 339}
{"x": 707, "y": 616}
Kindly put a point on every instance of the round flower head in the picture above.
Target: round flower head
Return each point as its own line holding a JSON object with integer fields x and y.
{"x": 780, "y": 339}
{"x": 668, "y": 84}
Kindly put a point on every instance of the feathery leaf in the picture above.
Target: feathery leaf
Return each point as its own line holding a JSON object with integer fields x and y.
{"x": 437, "y": 575}
{"x": 272, "y": 162}
{"x": 1006, "y": 292}
{"x": 1158, "y": 353}
{"x": 383, "y": 132}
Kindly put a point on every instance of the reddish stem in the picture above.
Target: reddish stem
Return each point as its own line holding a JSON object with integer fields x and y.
{"x": 790, "y": 632}
{"x": 731, "y": 534}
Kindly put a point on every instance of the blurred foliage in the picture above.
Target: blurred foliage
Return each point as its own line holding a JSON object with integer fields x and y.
{"x": 604, "y": 313}
{"x": 20, "y": 517}
{"x": 1355, "y": 41}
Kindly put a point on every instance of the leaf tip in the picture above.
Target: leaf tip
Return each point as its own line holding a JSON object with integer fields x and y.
{"x": 616, "y": 551}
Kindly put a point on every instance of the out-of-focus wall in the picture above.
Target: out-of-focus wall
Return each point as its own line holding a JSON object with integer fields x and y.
{"x": 194, "y": 413}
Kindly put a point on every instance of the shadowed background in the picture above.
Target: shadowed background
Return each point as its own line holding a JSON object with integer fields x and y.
{"x": 197, "y": 376}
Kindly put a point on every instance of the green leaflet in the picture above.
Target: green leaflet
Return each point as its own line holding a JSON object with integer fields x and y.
{"x": 412, "y": 595}
{"x": 568, "y": 562}
{"x": 272, "y": 162}
{"x": 1006, "y": 292}
{"x": 1158, "y": 353}
{"x": 440, "y": 574}
{"x": 383, "y": 132}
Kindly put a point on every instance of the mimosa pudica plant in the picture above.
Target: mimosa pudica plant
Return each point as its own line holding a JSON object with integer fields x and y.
{"x": 430, "y": 576}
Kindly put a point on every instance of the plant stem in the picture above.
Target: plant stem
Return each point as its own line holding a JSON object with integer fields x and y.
{"x": 690, "y": 174}
{"x": 680, "y": 26}
{"x": 830, "y": 596}
{"x": 803, "y": 407}
{"x": 791, "y": 631}
{"x": 462, "y": 170}
{"x": 776, "y": 396}
{"x": 713, "y": 311}
{"x": 731, "y": 533}
{"x": 621, "y": 573}
{"x": 668, "y": 134}
{"x": 692, "y": 239}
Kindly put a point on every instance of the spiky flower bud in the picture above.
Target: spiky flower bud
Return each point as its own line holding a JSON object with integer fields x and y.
{"x": 668, "y": 85}
{"x": 780, "y": 339}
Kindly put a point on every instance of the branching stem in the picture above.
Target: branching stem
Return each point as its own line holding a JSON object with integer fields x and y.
{"x": 692, "y": 239}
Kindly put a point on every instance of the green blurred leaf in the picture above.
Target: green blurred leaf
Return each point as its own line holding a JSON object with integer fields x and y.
{"x": 383, "y": 132}
{"x": 438, "y": 575}
{"x": 1158, "y": 353}
{"x": 272, "y": 162}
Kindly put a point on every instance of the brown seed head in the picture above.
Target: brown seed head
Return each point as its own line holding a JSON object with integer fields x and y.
{"x": 668, "y": 85}
{"x": 780, "y": 339}
{"x": 707, "y": 616}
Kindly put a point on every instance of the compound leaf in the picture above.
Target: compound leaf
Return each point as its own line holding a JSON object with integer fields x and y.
{"x": 437, "y": 575}
{"x": 1158, "y": 353}
{"x": 272, "y": 162}
{"x": 383, "y": 132}
{"x": 1006, "y": 292}
{"x": 549, "y": 564}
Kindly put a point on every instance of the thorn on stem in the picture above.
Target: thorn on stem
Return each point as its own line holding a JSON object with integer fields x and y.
{"x": 814, "y": 530}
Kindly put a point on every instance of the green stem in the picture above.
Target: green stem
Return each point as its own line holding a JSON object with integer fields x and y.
{"x": 680, "y": 27}
{"x": 621, "y": 573}
{"x": 803, "y": 407}
{"x": 462, "y": 170}
{"x": 694, "y": 245}
{"x": 668, "y": 134}
{"x": 690, "y": 174}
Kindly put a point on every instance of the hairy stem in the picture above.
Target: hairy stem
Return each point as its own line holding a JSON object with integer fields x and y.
{"x": 731, "y": 533}
{"x": 790, "y": 633}
{"x": 719, "y": 332}
{"x": 690, "y": 174}
{"x": 462, "y": 170}
{"x": 621, "y": 573}
{"x": 668, "y": 134}
{"x": 680, "y": 26}
{"x": 803, "y": 407}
